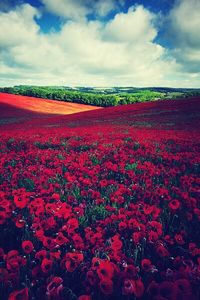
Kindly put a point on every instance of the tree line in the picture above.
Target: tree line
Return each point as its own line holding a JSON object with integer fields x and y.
{"x": 103, "y": 98}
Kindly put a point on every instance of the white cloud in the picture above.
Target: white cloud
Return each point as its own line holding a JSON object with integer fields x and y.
{"x": 184, "y": 25}
{"x": 185, "y": 22}
{"x": 22, "y": 27}
{"x": 92, "y": 53}
{"x": 133, "y": 26}
{"x": 72, "y": 9}
{"x": 78, "y": 9}
{"x": 103, "y": 7}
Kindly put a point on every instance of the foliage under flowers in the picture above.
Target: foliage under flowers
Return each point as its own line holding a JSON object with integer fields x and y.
{"x": 110, "y": 213}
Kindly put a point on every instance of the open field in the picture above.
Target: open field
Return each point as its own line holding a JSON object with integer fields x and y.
{"x": 16, "y": 107}
{"x": 102, "y": 204}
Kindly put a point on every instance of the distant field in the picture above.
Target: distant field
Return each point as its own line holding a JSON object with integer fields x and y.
{"x": 42, "y": 113}
{"x": 16, "y": 106}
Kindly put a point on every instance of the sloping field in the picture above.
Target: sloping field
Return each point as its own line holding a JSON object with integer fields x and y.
{"x": 168, "y": 114}
{"x": 20, "y": 107}
{"x": 183, "y": 114}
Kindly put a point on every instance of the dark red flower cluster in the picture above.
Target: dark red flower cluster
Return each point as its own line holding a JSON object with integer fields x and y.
{"x": 107, "y": 214}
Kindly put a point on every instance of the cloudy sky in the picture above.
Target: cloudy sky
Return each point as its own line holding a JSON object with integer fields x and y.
{"x": 100, "y": 42}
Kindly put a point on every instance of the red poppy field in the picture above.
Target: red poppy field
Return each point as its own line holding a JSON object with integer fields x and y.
{"x": 101, "y": 204}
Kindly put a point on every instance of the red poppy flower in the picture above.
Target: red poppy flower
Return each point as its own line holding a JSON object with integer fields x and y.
{"x": 55, "y": 196}
{"x": 16, "y": 295}
{"x": 137, "y": 236}
{"x": 91, "y": 278}
{"x": 131, "y": 272}
{"x": 162, "y": 251}
{"x": 54, "y": 287}
{"x": 148, "y": 209}
{"x": 157, "y": 226}
{"x": 13, "y": 264}
{"x": 122, "y": 226}
{"x": 71, "y": 225}
{"x": 78, "y": 242}
{"x": 46, "y": 265}
{"x": 105, "y": 270}
{"x": 146, "y": 264}
{"x": 135, "y": 287}
{"x": 116, "y": 243}
{"x": 12, "y": 254}
{"x": 153, "y": 236}
{"x": 174, "y": 205}
{"x": 61, "y": 239}
{"x": 20, "y": 201}
{"x": 55, "y": 255}
{"x": 27, "y": 246}
{"x": 41, "y": 254}
{"x": 20, "y": 223}
{"x": 128, "y": 287}
{"x": 49, "y": 242}
{"x": 73, "y": 260}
